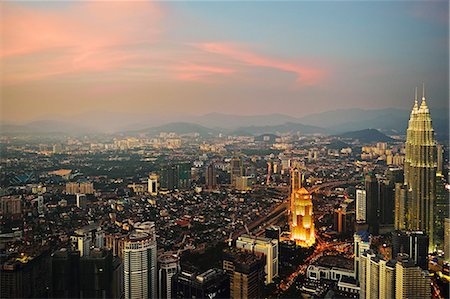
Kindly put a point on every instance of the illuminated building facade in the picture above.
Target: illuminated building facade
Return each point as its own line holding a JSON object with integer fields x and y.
{"x": 420, "y": 170}
{"x": 301, "y": 212}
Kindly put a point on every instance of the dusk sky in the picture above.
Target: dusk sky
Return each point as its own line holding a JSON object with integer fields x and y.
{"x": 60, "y": 60}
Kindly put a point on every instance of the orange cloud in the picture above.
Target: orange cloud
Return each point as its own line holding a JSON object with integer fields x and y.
{"x": 305, "y": 75}
{"x": 197, "y": 72}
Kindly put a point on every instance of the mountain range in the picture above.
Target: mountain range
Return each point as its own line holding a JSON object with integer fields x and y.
{"x": 391, "y": 121}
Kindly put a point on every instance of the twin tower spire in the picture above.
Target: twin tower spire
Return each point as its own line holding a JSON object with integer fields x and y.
{"x": 423, "y": 105}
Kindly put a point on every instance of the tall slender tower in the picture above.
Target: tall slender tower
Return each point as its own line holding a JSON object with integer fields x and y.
{"x": 420, "y": 169}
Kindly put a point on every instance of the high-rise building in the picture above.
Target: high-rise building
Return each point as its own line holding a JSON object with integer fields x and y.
{"x": 360, "y": 206}
{"x": 441, "y": 210}
{"x": 415, "y": 244}
{"x": 377, "y": 278}
{"x": 65, "y": 273}
{"x": 11, "y": 205}
{"x": 361, "y": 243}
{"x": 236, "y": 169}
{"x": 246, "y": 273}
{"x": 301, "y": 213}
{"x": 87, "y": 237}
{"x": 213, "y": 283}
{"x": 410, "y": 280}
{"x": 81, "y": 200}
{"x": 175, "y": 176}
{"x": 372, "y": 203}
{"x": 439, "y": 159}
{"x": 265, "y": 246}
{"x": 96, "y": 274}
{"x": 81, "y": 187}
{"x": 152, "y": 184}
{"x": 211, "y": 177}
{"x": 273, "y": 232}
{"x": 168, "y": 266}
{"x": 447, "y": 239}
{"x": 420, "y": 170}
{"x": 140, "y": 266}
{"x": 400, "y": 207}
{"x": 344, "y": 217}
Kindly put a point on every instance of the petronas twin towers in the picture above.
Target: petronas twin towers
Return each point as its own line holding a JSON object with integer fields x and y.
{"x": 420, "y": 170}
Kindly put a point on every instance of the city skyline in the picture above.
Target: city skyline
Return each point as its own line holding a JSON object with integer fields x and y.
{"x": 193, "y": 58}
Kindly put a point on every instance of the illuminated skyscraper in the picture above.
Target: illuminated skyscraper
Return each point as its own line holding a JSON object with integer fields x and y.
{"x": 420, "y": 170}
{"x": 301, "y": 212}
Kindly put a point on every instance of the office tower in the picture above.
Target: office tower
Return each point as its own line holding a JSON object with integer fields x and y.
{"x": 213, "y": 283}
{"x": 441, "y": 210}
{"x": 400, "y": 207}
{"x": 246, "y": 273}
{"x": 65, "y": 273}
{"x": 236, "y": 170}
{"x": 265, "y": 246}
{"x": 176, "y": 176}
{"x": 301, "y": 213}
{"x": 96, "y": 274}
{"x": 447, "y": 239}
{"x": 184, "y": 175}
{"x": 117, "y": 280}
{"x": 366, "y": 280}
{"x": 372, "y": 203}
{"x": 360, "y": 206}
{"x": 414, "y": 244}
{"x": 24, "y": 276}
{"x": 211, "y": 177}
{"x": 361, "y": 243}
{"x": 168, "y": 176}
{"x": 420, "y": 170}
{"x": 152, "y": 187}
{"x": 439, "y": 159}
{"x": 395, "y": 175}
{"x": 81, "y": 200}
{"x": 168, "y": 266}
{"x": 410, "y": 280}
{"x": 273, "y": 232}
{"x": 344, "y": 217}
{"x": 140, "y": 266}
{"x": 386, "y": 202}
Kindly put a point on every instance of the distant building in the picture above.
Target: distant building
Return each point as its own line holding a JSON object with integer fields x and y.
{"x": 360, "y": 206}
{"x": 11, "y": 205}
{"x": 213, "y": 283}
{"x": 301, "y": 212}
{"x": 243, "y": 183}
{"x": 82, "y": 187}
{"x": 273, "y": 232}
{"x": 175, "y": 176}
{"x": 236, "y": 169}
{"x": 140, "y": 269}
{"x": 87, "y": 237}
{"x": 400, "y": 207}
{"x": 377, "y": 277}
{"x": 414, "y": 244}
{"x": 344, "y": 217}
{"x": 268, "y": 247}
{"x": 168, "y": 267}
{"x": 81, "y": 200}
{"x": 211, "y": 177}
{"x": 246, "y": 273}
{"x": 152, "y": 187}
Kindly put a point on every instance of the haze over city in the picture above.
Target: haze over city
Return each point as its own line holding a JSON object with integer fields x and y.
{"x": 104, "y": 63}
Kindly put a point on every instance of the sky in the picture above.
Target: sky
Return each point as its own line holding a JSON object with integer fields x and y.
{"x": 174, "y": 58}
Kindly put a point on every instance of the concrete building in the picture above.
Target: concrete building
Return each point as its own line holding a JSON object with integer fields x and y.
{"x": 152, "y": 187}
{"x": 447, "y": 239}
{"x": 140, "y": 266}
{"x": 361, "y": 243}
{"x": 361, "y": 206}
{"x": 268, "y": 247}
{"x": 213, "y": 283}
{"x": 246, "y": 273}
{"x": 410, "y": 280}
{"x": 168, "y": 267}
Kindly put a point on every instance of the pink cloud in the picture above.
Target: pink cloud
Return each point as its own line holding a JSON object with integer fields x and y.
{"x": 304, "y": 74}
{"x": 84, "y": 37}
{"x": 198, "y": 72}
